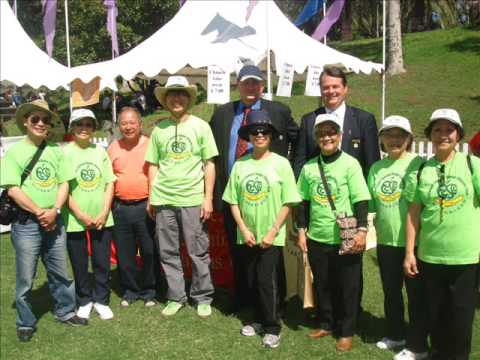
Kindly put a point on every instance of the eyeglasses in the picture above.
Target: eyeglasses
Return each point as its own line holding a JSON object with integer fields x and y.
{"x": 88, "y": 124}
{"x": 330, "y": 133}
{"x": 35, "y": 119}
{"x": 259, "y": 131}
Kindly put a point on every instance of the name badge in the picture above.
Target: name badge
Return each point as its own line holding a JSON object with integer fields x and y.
{"x": 356, "y": 143}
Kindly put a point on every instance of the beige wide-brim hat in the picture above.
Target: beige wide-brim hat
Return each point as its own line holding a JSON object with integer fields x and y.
{"x": 176, "y": 83}
{"x": 36, "y": 105}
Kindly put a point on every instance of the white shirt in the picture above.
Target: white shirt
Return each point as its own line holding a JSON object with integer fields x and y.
{"x": 339, "y": 113}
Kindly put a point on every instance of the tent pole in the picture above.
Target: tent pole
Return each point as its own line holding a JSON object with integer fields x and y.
{"x": 67, "y": 37}
{"x": 324, "y": 13}
{"x": 269, "y": 78}
{"x": 114, "y": 100}
{"x": 384, "y": 62}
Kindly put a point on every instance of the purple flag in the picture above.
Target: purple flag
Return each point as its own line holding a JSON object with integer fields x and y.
{"x": 331, "y": 17}
{"x": 15, "y": 7}
{"x": 49, "y": 19}
{"x": 181, "y": 2}
{"x": 251, "y": 5}
{"x": 112, "y": 13}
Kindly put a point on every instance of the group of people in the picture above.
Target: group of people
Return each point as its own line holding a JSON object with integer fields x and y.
{"x": 256, "y": 165}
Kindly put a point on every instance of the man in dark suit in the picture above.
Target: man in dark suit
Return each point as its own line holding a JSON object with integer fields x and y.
{"x": 359, "y": 127}
{"x": 225, "y": 123}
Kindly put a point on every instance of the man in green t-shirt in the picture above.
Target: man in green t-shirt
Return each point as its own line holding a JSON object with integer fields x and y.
{"x": 181, "y": 175}
{"x": 39, "y": 231}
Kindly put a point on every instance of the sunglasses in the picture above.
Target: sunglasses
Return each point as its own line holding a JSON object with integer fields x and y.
{"x": 35, "y": 119}
{"x": 87, "y": 124}
{"x": 330, "y": 133}
{"x": 260, "y": 131}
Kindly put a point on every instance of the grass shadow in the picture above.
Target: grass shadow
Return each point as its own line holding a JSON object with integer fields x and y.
{"x": 470, "y": 44}
{"x": 40, "y": 300}
{"x": 370, "y": 328}
{"x": 296, "y": 316}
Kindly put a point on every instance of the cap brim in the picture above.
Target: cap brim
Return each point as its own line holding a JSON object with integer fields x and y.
{"x": 244, "y": 131}
{"x": 246, "y": 77}
{"x": 388, "y": 127}
{"x": 161, "y": 94}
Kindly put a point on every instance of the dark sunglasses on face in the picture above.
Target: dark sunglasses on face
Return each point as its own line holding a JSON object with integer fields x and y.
{"x": 35, "y": 119}
{"x": 322, "y": 134}
{"x": 259, "y": 131}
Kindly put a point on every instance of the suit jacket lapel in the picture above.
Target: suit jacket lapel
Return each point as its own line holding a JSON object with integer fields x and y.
{"x": 347, "y": 128}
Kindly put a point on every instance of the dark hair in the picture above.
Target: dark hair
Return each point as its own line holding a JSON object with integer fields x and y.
{"x": 334, "y": 71}
{"x": 130, "y": 109}
{"x": 428, "y": 130}
{"x": 409, "y": 145}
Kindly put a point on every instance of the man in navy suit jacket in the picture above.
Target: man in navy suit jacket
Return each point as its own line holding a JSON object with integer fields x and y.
{"x": 360, "y": 133}
{"x": 225, "y": 123}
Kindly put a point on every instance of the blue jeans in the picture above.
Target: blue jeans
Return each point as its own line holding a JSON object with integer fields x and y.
{"x": 31, "y": 241}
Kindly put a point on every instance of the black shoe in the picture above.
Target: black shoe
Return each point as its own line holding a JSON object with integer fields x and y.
{"x": 25, "y": 335}
{"x": 75, "y": 321}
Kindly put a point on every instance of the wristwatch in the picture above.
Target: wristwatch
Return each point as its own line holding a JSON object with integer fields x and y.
{"x": 58, "y": 211}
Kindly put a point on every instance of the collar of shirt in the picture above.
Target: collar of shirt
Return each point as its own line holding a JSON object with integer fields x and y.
{"x": 242, "y": 106}
{"x": 339, "y": 113}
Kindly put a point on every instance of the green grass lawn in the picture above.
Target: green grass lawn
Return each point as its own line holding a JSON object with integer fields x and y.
{"x": 142, "y": 333}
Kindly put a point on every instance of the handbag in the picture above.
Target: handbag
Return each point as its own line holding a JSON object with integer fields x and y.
{"x": 9, "y": 210}
{"x": 347, "y": 224}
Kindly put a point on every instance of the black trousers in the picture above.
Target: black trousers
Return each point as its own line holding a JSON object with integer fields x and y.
{"x": 390, "y": 262}
{"x": 78, "y": 253}
{"x": 451, "y": 297}
{"x": 134, "y": 227}
{"x": 261, "y": 269}
{"x": 336, "y": 282}
{"x": 242, "y": 297}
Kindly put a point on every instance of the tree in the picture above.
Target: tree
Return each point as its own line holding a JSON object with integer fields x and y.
{"x": 394, "y": 38}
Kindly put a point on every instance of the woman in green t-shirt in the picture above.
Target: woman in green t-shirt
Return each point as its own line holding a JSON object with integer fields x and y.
{"x": 386, "y": 182}
{"x": 260, "y": 191}
{"x": 89, "y": 214}
{"x": 336, "y": 277}
{"x": 443, "y": 219}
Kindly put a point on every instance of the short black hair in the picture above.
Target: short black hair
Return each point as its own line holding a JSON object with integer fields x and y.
{"x": 428, "y": 130}
{"x": 334, "y": 71}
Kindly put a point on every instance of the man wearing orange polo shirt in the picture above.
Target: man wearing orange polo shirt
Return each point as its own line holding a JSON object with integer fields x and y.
{"x": 132, "y": 223}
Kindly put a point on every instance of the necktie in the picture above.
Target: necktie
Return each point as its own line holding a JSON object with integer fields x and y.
{"x": 242, "y": 145}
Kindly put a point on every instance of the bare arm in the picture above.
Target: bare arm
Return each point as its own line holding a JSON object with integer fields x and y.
{"x": 48, "y": 218}
{"x": 152, "y": 173}
{"x": 282, "y": 215}
{"x": 101, "y": 219}
{"x": 79, "y": 214}
{"x": 411, "y": 230}
{"x": 22, "y": 200}
{"x": 247, "y": 234}
{"x": 209, "y": 177}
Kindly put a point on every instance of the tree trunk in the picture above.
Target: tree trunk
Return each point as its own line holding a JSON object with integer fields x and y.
{"x": 394, "y": 38}
{"x": 347, "y": 21}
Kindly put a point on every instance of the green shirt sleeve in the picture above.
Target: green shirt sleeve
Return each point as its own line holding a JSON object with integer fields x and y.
{"x": 371, "y": 188}
{"x": 65, "y": 169}
{"x": 302, "y": 185}
{"x": 476, "y": 176}
{"x": 411, "y": 174}
{"x": 356, "y": 183}
{"x": 107, "y": 170}
{"x": 290, "y": 194}
{"x": 151, "y": 155}
{"x": 230, "y": 194}
{"x": 209, "y": 147}
{"x": 10, "y": 174}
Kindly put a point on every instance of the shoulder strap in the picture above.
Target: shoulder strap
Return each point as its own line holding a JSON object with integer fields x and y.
{"x": 469, "y": 163}
{"x": 419, "y": 173}
{"x": 32, "y": 162}
{"x": 325, "y": 185}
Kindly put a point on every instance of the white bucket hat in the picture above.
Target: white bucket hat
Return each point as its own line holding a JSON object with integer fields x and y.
{"x": 79, "y": 114}
{"x": 396, "y": 121}
{"x": 176, "y": 83}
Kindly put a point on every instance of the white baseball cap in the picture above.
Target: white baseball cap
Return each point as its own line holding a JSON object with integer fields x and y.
{"x": 396, "y": 121}
{"x": 447, "y": 114}
{"x": 79, "y": 114}
{"x": 322, "y": 118}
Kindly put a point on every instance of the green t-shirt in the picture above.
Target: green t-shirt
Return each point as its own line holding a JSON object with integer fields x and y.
{"x": 93, "y": 171}
{"x": 260, "y": 188}
{"x": 387, "y": 182}
{"x": 179, "y": 151}
{"x": 455, "y": 239}
{"x": 50, "y": 170}
{"x": 347, "y": 186}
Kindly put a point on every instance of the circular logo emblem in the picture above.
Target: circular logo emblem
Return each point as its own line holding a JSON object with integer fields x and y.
{"x": 450, "y": 194}
{"x": 43, "y": 176}
{"x": 320, "y": 195}
{"x": 256, "y": 188}
{"x": 88, "y": 176}
{"x": 389, "y": 188}
{"x": 179, "y": 148}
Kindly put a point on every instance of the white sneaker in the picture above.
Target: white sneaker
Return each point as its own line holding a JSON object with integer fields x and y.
{"x": 103, "y": 311}
{"x": 252, "y": 329}
{"x": 406, "y": 354}
{"x": 389, "y": 344}
{"x": 85, "y": 310}
{"x": 271, "y": 341}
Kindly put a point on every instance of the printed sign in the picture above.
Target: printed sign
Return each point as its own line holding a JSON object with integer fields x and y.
{"x": 285, "y": 82}
{"x": 312, "y": 86}
{"x": 218, "y": 91}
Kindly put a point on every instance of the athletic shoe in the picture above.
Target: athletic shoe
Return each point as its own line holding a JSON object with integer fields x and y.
{"x": 252, "y": 329}
{"x": 204, "y": 310}
{"x": 171, "y": 308}
{"x": 103, "y": 311}
{"x": 25, "y": 334}
{"x": 389, "y": 344}
{"x": 149, "y": 303}
{"x": 406, "y": 354}
{"x": 75, "y": 320}
{"x": 126, "y": 302}
{"x": 84, "y": 311}
{"x": 271, "y": 341}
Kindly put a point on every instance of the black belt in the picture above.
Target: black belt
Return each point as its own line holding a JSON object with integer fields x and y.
{"x": 130, "y": 202}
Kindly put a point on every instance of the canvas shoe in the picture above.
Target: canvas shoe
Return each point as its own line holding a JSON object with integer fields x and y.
{"x": 389, "y": 344}
{"x": 75, "y": 320}
{"x": 126, "y": 302}
{"x": 172, "y": 308}
{"x": 103, "y": 311}
{"x": 204, "y": 310}
{"x": 252, "y": 329}
{"x": 271, "y": 341}
{"x": 406, "y": 354}
{"x": 149, "y": 303}
{"x": 85, "y": 310}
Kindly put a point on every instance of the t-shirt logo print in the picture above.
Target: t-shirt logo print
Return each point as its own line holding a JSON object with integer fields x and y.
{"x": 320, "y": 195}
{"x": 179, "y": 148}
{"x": 452, "y": 192}
{"x": 44, "y": 178}
{"x": 390, "y": 187}
{"x": 88, "y": 176}
{"x": 256, "y": 187}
